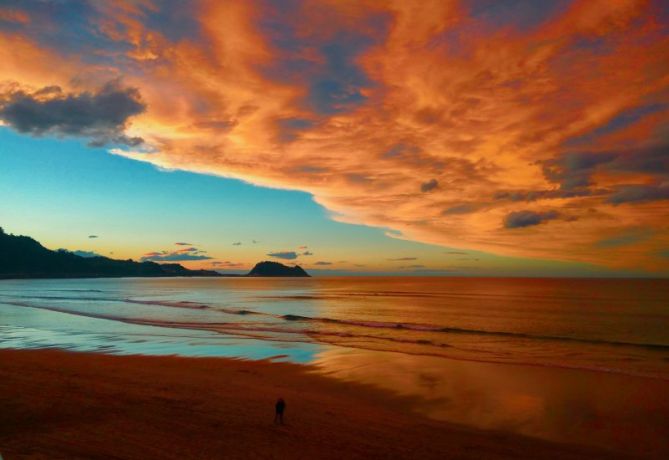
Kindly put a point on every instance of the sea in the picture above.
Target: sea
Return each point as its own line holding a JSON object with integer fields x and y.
{"x": 584, "y": 361}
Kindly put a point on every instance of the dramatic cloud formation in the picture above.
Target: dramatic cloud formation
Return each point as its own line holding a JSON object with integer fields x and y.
{"x": 183, "y": 244}
{"x": 180, "y": 255}
{"x": 638, "y": 192}
{"x": 464, "y": 208}
{"x": 519, "y": 219}
{"x": 99, "y": 115}
{"x": 429, "y": 185}
{"x": 287, "y": 255}
{"x": 625, "y": 239}
{"x": 435, "y": 120}
{"x": 322, "y": 262}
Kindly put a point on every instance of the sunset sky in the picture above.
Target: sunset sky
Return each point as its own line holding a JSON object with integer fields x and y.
{"x": 479, "y": 137}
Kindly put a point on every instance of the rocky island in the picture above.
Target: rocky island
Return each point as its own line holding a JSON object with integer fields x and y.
{"x": 267, "y": 268}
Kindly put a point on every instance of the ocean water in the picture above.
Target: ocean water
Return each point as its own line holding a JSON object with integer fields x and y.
{"x": 566, "y": 359}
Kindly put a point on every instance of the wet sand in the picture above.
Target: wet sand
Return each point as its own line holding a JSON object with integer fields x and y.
{"x": 64, "y": 405}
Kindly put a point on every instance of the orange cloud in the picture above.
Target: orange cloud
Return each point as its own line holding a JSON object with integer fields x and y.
{"x": 16, "y": 16}
{"x": 421, "y": 118}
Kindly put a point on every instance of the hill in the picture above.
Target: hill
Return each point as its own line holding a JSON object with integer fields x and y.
{"x": 23, "y": 257}
{"x": 268, "y": 268}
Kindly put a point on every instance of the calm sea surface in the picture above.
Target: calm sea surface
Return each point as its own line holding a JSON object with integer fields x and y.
{"x": 579, "y": 360}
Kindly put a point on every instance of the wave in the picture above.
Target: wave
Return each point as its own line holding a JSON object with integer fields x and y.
{"x": 47, "y": 297}
{"x": 367, "y": 324}
{"x": 352, "y": 339}
{"x": 176, "y": 304}
{"x": 194, "y": 306}
{"x": 352, "y": 294}
{"x": 364, "y": 324}
{"x": 400, "y": 325}
{"x": 444, "y": 294}
{"x": 453, "y": 330}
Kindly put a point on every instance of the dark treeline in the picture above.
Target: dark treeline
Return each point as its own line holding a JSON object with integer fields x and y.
{"x": 23, "y": 257}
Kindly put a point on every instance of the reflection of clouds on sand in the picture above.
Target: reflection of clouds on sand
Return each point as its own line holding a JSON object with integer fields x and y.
{"x": 558, "y": 404}
{"x": 456, "y": 391}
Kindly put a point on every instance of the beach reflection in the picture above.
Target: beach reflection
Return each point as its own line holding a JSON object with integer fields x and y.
{"x": 583, "y": 407}
{"x": 430, "y": 339}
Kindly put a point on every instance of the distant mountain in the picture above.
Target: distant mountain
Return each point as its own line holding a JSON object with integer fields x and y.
{"x": 23, "y": 257}
{"x": 268, "y": 268}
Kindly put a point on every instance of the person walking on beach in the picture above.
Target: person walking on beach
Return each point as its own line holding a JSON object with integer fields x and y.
{"x": 280, "y": 406}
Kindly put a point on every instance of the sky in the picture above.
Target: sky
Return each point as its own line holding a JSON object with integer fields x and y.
{"x": 478, "y": 137}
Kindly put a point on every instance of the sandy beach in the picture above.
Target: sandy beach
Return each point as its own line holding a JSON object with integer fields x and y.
{"x": 64, "y": 405}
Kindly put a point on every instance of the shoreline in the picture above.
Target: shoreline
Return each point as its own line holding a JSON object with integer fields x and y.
{"x": 63, "y": 404}
{"x": 4, "y": 277}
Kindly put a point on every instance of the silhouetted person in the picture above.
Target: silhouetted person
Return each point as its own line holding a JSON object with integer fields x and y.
{"x": 280, "y": 406}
